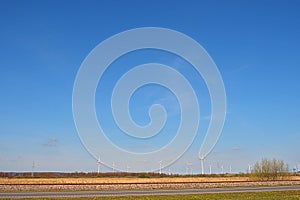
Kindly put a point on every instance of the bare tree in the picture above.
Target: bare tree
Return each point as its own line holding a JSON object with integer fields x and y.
{"x": 268, "y": 169}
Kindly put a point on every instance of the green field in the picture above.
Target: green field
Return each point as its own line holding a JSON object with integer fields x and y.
{"x": 283, "y": 195}
{"x": 240, "y": 196}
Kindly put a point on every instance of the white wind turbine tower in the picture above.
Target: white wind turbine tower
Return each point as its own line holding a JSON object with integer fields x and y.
{"x": 33, "y": 166}
{"x": 191, "y": 168}
{"x": 202, "y": 164}
{"x": 188, "y": 167}
{"x": 222, "y": 168}
{"x": 230, "y": 169}
{"x": 210, "y": 168}
{"x": 127, "y": 168}
{"x": 249, "y": 168}
{"x": 99, "y": 164}
{"x": 113, "y": 167}
{"x": 160, "y": 167}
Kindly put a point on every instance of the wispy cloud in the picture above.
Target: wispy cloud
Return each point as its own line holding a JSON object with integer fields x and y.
{"x": 51, "y": 142}
{"x": 236, "y": 148}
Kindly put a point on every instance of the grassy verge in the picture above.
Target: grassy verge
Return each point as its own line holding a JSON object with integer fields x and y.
{"x": 282, "y": 195}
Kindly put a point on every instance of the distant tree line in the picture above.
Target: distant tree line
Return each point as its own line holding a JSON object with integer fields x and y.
{"x": 107, "y": 174}
{"x": 79, "y": 174}
{"x": 270, "y": 169}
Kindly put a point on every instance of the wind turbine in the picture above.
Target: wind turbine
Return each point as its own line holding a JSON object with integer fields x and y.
{"x": 230, "y": 169}
{"x": 127, "y": 168}
{"x": 202, "y": 164}
{"x": 160, "y": 167}
{"x": 249, "y": 168}
{"x": 222, "y": 168}
{"x": 210, "y": 168}
{"x": 189, "y": 167}
{"x": 113, "y": 167}
{"x": 33, "y": 166}
{"x": 99, "y": 164}
{"x": 186, "y": 168}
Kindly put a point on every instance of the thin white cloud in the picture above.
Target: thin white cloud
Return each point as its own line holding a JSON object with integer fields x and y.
{"x": 236, "y": 148}
{"x": 51, "y": 142}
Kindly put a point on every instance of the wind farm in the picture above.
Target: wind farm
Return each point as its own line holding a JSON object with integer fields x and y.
{"x": 150, "y": 99}
{"x": 116, "y": 183}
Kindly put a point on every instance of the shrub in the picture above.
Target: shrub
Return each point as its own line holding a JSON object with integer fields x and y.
{"x": 268, "y": 169}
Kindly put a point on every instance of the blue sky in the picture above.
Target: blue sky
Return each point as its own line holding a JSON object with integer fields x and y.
{"x": 255, "y": 45}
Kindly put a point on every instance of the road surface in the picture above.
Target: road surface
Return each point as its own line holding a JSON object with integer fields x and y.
{"x": 104, "y": 193}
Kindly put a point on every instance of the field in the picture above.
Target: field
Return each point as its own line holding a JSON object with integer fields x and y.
{"x": 133, "y": 183}
{"x": 116, "y": 180}
{"x": 125, "y": 180}
{"x": 123, "y": 183}
{"x": 286, "y": 195}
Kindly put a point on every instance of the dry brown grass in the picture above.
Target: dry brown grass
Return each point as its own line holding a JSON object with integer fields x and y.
{"x": 50, "y": 181}
{"x": 117, "y": 180}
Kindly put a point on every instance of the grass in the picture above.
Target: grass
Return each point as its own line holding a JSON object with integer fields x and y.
{"x": 282, "y": 195}
{"x": 116, "y": 180}
{"x": 106, "y": 180}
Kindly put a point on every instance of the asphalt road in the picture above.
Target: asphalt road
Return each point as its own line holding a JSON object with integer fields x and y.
{"x": 78, "y": 194}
